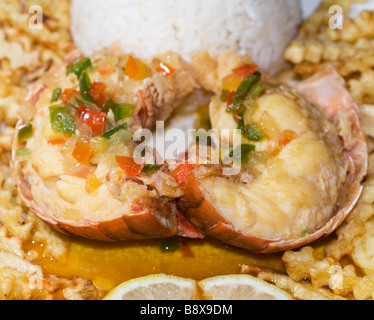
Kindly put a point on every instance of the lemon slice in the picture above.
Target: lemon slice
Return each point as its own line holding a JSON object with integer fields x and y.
{"x": 155, "y": 287}
{"x": 241, "y": 287}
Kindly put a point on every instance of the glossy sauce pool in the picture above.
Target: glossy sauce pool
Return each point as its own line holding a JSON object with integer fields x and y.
{"x": 109, "y": 264}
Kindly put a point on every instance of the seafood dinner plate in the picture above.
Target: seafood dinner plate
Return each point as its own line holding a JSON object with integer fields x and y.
{"x": 186, "y": 150}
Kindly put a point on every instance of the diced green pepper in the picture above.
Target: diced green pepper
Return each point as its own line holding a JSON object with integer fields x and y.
{"x": 256, "y": 91}
{"x": 84, "y": 86}
{"x": 110, "y": 105}
{"x": 107, "y": 135}
{"x": 120, "y": 110}
{"x": 79, "y": 66}
{"x": 56, "y": 94}
{"x": 151, "y": 169}
{"x": 236, "y": 106}
{"x": 244, "y": 150}
{"x": 62, "y": 120}
{"x": 251, "y": 132}
{"x": 79, "y": 101}
{"x": 23, "y": 152}
{"x": 254, "y": 133}
{"x": 25, "y": 132}
{"x": 123, "y": 111}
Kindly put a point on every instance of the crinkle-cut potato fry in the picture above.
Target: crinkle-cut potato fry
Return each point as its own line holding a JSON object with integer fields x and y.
{"x": 349, "y": 50}
{"x": 362, "y": 88}
{"x": 354, "y": 226}
{"x": 316, "y": 24}
{"x": 25, "y": 54}
{"x": 298, "y": 290}
{"x": 316, "y": 51}
{"x": 353, "y": 29}
{"x": 18, "y": 17}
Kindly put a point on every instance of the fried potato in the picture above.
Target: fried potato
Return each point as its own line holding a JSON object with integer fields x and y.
{"x": 22, "y": 280}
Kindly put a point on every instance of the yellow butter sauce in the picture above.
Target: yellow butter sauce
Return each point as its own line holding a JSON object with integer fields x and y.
{"x": 109, "y": 264}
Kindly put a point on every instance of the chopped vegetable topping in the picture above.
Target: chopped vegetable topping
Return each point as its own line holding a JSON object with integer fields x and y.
{"x": 98, "y": 93}
{"x": 246, "y": 70}
{"x": 182, "y": 172}
{"x": 56, "y": 94}
{"x": 123, "y": 111}
{"x": 136, "y": 69}
{"x": 151, "y": 169}
{"x": 107, "y": 135}
{"x": 25, "y": 132}
{"x": 229, "y": 98}
{"x": 82, "y": 152}
{"x": 92, "y": 183}
{"x": 251, "y": 132}
{"x": 256, "y": 91}
{"x": 236, "y": 106}
{"x": 94, "y": 119}
{"x": 243, "y": 150}
{"x": 232, "y": 81}
{"x": 109, "y": 105}
{"x": 165, "y": 69}
{"x": 84, "y": 86}
{"x": 98, "y": 144}
{"x": 23, "y": 152}
{"x": 129, "y": 166}
{"x": 79, "y": 66}
{"x": 68, "y": 94}
{"x": 62, "y": 120}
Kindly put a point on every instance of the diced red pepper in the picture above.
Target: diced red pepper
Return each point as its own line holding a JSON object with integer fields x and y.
{"x": 83, "y": 152}
{"x": 246, "y": 70}
{"x": 230, "y": 96}
{"x": 165, "y": 69}
{"x": 130, "y": 166}
{"x": 68, "y": 94}
{"x": 182, "y": 172}
{"x": 98, "y": 93}
{"x": 94, "y": 119}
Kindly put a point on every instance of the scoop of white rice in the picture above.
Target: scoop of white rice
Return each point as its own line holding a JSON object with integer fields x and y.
{"x": 260, "y": 28}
